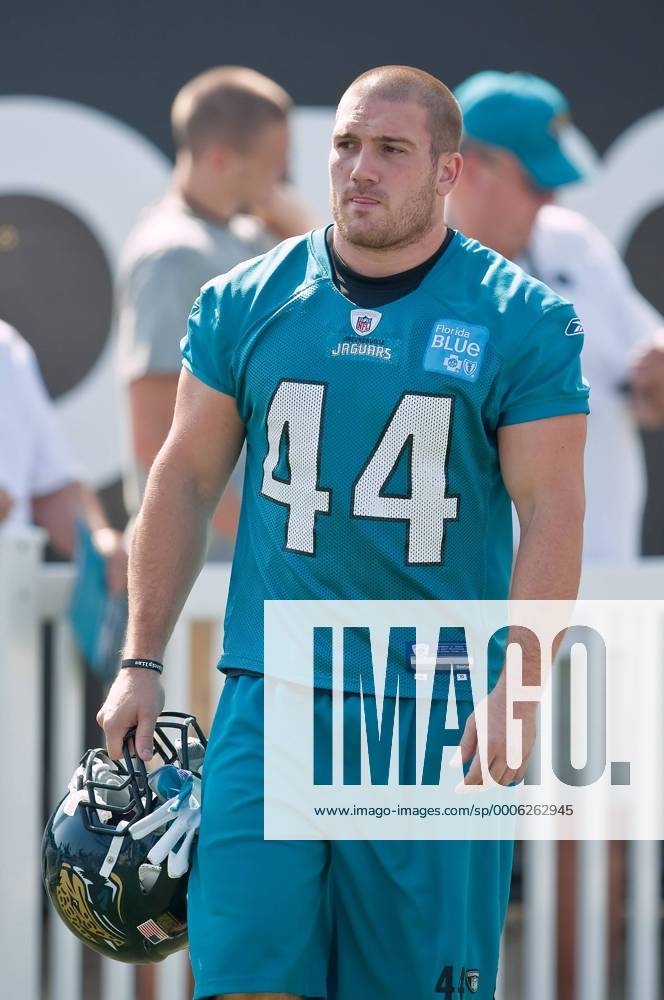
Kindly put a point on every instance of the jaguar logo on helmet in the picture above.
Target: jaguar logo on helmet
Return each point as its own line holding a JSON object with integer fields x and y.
{"x": 73, "y": 895}
{"x": 115, "y": 853}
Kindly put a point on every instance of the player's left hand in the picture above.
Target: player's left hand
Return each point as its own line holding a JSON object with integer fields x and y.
{"x": 491, "y": 716}
{"x": 110, "y": 544}
{"x": 646, "y": 381}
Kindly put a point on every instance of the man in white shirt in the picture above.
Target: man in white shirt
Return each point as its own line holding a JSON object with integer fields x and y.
{"x": 39, "y": 479}
{"x": 516, "y": 154}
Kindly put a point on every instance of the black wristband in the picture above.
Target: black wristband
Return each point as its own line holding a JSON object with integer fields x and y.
{"x": 146, "y": 664}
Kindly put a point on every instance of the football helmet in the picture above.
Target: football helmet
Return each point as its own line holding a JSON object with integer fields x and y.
{"x": 115, "y": 853}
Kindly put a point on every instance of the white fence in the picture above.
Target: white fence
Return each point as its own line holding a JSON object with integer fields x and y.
{"x": 32, "y": 594}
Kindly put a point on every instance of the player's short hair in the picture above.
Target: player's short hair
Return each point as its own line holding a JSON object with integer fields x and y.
{"x": 228, "y": 105}
{"x": 405, "y": 83}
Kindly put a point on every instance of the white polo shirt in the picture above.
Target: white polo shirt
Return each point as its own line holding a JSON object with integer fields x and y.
{"x": 571, "y": 256}
{"x": 34, "y": 456}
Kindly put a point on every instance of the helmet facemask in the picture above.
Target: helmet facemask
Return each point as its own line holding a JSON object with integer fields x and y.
{"x": 116, "y": 851}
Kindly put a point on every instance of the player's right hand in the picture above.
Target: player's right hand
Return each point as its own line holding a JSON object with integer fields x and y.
{"x": 136, "y": 699}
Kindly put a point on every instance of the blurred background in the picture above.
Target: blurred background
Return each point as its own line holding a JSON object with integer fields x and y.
{"x": 85, "y": 146}
{"x": 91, "y": 144}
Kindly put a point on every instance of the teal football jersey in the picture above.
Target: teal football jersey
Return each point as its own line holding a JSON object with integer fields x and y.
{"x": 372, "y": 466}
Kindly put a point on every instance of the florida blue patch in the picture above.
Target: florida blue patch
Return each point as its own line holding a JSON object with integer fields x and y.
{"x": 456, "y": 348}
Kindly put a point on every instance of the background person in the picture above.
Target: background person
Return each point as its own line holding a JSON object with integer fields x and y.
{"x": 230, "y": 128}
{"x": 516, "y": 156}
{"x": 39, "y": 480}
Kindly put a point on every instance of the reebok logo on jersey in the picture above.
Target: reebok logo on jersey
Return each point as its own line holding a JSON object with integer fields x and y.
{"x": 364, "y": 321}
{"x": 456, "y": 348}
{"x": 574, "y": 328}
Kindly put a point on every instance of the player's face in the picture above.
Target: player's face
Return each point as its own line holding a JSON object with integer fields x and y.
{"x": 385, "y": 189}
{"x": 263, "y": 166}
{"x": 497, "y": 202}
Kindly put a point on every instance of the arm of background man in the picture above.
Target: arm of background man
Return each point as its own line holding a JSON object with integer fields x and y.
{"x": 542, "y": 467}
{"x": 6, "y": 504}
{"x": 58, "y": 511}
{"x": 152, "y": 401}
{"x": 647, "y": 382}
{"x": 154, "y": 306}
{"x": 168, "y": 547}
{"x": 639, "y": 327}
{"x": 58, "y": 497}
{"x": 284, "y": 213}
{"x": 154, "y": 300}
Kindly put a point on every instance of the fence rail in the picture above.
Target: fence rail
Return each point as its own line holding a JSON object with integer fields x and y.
{"x": 33, "y": 594}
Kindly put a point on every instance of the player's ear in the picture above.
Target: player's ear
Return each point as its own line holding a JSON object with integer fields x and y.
{"x": 449, "y": 171}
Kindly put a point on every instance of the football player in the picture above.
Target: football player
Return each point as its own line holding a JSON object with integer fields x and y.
{"x": 396, "y": 384}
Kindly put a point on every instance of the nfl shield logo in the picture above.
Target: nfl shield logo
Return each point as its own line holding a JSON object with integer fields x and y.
{"x": 473, "y": 980}
{"x": 363, "y": 321}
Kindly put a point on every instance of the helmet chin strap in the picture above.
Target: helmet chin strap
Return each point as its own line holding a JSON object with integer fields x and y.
{"x": 109, "y": 861}
{"x": 181, "y": 813}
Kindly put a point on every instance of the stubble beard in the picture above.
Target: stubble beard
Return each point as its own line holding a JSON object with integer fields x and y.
{"x": 395, "y": 230}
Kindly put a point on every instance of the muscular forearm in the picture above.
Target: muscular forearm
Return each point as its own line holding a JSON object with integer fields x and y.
{"x": 548, "y": 565}
{"x": 186, "y": 480}
{"x": 548, "y": 562}
{"x": 167, "y": 551}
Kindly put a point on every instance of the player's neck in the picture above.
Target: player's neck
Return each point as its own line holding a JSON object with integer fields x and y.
{"x": 378, "y": 263}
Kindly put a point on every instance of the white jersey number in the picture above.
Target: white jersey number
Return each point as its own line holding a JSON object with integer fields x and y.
{"x": 296, "y": 412}
{"x": 420, "y": 425}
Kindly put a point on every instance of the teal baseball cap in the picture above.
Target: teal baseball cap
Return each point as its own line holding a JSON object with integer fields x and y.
{"x": 527, "y": 116}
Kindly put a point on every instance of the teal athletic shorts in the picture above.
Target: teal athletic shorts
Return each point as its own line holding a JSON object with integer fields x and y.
{"x": 344, "y": 919}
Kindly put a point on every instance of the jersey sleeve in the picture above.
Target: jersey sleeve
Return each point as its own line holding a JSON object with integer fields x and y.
{"x": 543, "y": 378}
{"x": 209, "y": 344}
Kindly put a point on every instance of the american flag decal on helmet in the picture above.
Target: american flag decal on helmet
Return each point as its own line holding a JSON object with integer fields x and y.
{"x": 152, "y": 932}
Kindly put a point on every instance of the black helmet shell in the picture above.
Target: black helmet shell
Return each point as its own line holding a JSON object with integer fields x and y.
{"x": 135, "y": 913}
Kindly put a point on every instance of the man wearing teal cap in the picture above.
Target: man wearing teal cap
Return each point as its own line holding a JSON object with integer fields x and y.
{"x": 517, "y": 152}
{"x": 527, "y": 116}
{"x": 519, "y": 148}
